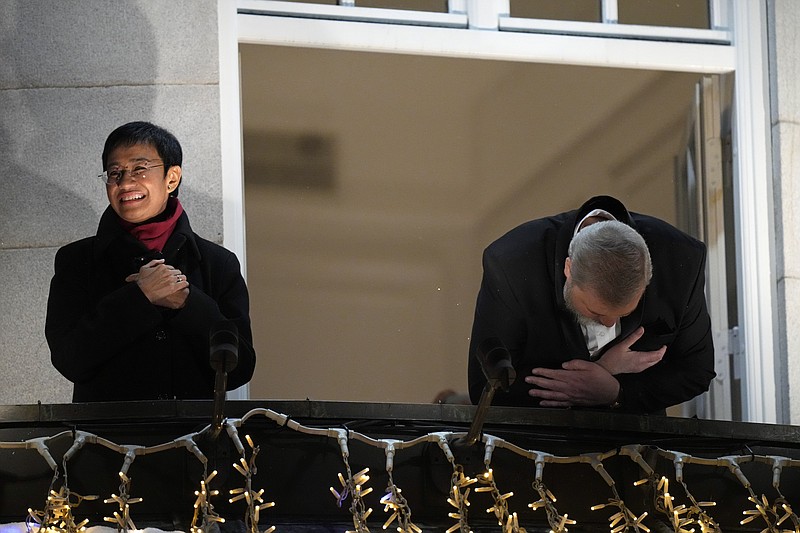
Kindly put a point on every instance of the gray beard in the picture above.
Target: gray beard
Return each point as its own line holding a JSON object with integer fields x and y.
{"x": 582, "y": 320}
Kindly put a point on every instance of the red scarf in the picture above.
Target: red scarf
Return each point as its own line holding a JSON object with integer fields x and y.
{"x": 155, "y": 232}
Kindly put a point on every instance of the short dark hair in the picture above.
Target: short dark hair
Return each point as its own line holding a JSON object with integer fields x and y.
{"x": 165, "y": 143}
{"x": 611, "y": 259}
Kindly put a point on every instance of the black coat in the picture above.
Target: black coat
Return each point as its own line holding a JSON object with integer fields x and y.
{"x": 109, "y": 340}
{"x": 521, "y": 302}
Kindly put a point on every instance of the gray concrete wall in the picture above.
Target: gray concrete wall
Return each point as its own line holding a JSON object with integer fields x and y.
{"x": 784, "y": 46}
{"x": 71, "y": 71}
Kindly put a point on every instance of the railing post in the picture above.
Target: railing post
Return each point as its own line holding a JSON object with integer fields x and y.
{"x": 457, "y": 7}
{"x": 610, "y": 12}
{"x": 719, "y": 14}
{"x": 485, "y": 14}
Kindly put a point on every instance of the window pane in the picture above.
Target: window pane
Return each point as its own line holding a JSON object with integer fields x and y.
{"x": 326, "y": 2}
{"x": 438, "y": 6}
{"x": 683, "y": 14}
{"x": 580, "y": 10}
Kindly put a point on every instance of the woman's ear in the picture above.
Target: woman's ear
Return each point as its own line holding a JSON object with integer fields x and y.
{"x": 173, "y": 178}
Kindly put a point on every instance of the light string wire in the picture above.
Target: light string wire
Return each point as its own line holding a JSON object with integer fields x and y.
{"x": 393, "y": 501}
{"x": 204, "y": 516}
{"x": 460, "y": 484}
{"x": 622, "y": 520}
{"x": 507, "y": 521}
{"x": 58, "y": 514}
{"x": 254, "y": 499}
{"x": 772, "y": 514}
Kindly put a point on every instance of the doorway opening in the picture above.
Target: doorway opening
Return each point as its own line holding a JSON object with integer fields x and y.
{"x": 365, "y": 230}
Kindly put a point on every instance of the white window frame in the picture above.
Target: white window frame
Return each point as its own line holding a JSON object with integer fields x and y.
{"x": 233, "y": 215}
{"x": 755, "y": 246}
{"x": 395, "y": 33}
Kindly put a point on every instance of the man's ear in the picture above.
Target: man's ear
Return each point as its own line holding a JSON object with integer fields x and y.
{"x": 173, "y": 177}
{"x": 568, "y": 268}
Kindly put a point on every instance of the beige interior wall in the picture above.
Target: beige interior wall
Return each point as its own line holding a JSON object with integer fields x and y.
{"x": 366, "y": 292}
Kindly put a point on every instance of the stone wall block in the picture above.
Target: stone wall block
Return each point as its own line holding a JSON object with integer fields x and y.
{"x": 51, "y": 143}
{"x": 26, "y": 375}
{"x": 76, "y": 43}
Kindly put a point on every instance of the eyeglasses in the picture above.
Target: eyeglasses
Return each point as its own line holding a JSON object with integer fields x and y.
{"x": 115, "y": 175}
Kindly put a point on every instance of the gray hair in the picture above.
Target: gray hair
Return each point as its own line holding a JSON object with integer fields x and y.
{"x": 611, "y": 259}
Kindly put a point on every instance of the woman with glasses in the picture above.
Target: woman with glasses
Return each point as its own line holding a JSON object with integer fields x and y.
{"x": 131, "y": 308}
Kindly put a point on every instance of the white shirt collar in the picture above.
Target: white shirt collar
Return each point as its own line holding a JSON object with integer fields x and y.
{"x": 593, "y": 213}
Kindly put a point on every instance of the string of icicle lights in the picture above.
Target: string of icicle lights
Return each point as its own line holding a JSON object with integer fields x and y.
{"x": 60, "y": 511}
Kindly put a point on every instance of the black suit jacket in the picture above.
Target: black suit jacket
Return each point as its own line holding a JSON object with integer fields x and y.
{"x": 109, "y": 340}
{"x": 521, "y": 302}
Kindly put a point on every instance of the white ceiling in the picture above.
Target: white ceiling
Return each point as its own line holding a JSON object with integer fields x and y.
{"x": 420, "y": 127}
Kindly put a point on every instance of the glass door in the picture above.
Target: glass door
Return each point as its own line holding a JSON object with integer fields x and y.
{"x": 704, "y": 202}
